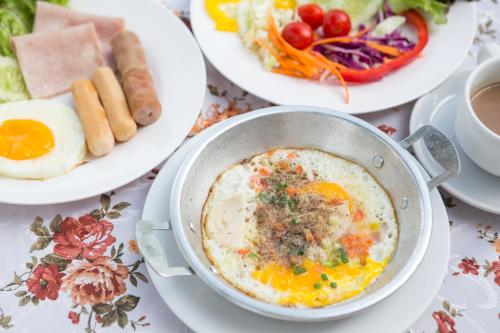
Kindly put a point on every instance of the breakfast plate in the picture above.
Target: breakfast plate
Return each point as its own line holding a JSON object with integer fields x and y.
{"x": 448, "y": 45}
{"x": 473, "y": 186}
{"x": 180, "y": 89}
{"x": 202, "y": 309}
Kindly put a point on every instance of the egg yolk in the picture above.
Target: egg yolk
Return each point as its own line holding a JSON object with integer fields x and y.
{"x": 330, "y": 191}
{"x": 25, "y": 139}
{"x": 319, "y": 285}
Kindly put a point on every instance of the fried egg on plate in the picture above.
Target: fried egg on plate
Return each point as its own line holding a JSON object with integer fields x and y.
{"x": 299, "y": 228}
{"x": 39, "y": 139}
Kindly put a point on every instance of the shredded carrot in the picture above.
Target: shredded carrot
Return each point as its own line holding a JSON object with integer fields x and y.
{"x": 289, "y": 72}
{"x": 299, "y": 63}
{"x": 291, "y": 155}
{"x": 392, "y": 51}
{"x": 389, "y": 50}
{"x": 362, "y": 33}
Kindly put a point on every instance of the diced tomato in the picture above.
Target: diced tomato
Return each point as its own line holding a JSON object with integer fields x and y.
{"x": 299, "y": 169}
{"x": 308, "y": 235}
{"x": 256, "y": 183}
{"x": 358, "y": 215}
{"x": 265, "y": 172}
{"x": 357, "y": 245}
{"x": 243, "y": 252}
{"x": 283, "y": 165}
{"x": 292, "y": 156}
{"x": 291, "y": 190}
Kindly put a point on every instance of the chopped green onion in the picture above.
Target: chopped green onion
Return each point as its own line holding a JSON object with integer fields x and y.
{"x": 324, "y": 277}
{"x": 297, "y": 270}
{"x": 280, "y": 186}
{"x": 252, "y": 255}
{"x": 317, "y": 285}
{"x": 343, "y": 255}
{"x": 292, "y": 204}
{"x": 333, "y": 284}
{"x": 281, "y": 200}
{"x": 295, "y": 220}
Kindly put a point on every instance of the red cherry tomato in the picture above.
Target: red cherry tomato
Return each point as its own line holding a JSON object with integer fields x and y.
{"x": 298, "y": 34}
{"x": 337, "y": 23}
{"x": 312, "y": 14}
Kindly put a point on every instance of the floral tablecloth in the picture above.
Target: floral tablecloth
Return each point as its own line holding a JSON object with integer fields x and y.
{"x": 77, "y": 268}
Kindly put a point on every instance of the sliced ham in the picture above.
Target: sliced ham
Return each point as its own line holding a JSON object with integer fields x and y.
{"x": 50, "y": 61}
{"x": 54, "y": 17}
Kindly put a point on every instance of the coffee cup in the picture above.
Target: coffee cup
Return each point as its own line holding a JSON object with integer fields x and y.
{"x": 480, "y": 139}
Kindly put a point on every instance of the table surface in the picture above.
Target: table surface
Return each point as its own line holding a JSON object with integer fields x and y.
{"x": 114, "y": 290}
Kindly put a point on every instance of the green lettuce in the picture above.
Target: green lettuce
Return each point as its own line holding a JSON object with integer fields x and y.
{"x": 16, "y": 18}
{"x": 438, "y": 9}
{"x": 10, "y": 25}
{"x": 12, "y": 87}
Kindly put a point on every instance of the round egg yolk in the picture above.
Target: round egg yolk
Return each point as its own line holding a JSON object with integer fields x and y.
{"x": 319, "y": 285}
{"x": 25, "y": 139}
{"x": 330, "y": 191}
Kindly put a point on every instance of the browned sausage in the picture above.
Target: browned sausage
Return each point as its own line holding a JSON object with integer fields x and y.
{"x": 128, "y": 52}
{"x": 141, "y": 96}
{"x": 136, "y": 80}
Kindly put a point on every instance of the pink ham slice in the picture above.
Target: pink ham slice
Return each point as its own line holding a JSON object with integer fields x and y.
{"x": 50, "y": 61}
{"x": 54, "y": 17}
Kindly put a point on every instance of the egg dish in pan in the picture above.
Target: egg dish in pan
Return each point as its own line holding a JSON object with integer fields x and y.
{"x": 299, "y": 228}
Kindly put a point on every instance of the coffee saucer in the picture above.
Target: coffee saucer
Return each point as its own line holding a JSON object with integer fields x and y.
{"x": 438, "y": 108}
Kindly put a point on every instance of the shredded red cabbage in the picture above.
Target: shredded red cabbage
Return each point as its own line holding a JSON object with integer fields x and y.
{"x": 358, "y": 55}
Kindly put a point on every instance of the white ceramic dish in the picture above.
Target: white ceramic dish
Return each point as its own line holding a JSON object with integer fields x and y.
{"x": 447, "y": 47}
{"x": 439, "y": 108}
{"x": 181, "y": 90}
{"x": 204, "y": 311}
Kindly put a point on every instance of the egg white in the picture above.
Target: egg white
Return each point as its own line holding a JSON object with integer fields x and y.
{"x": 69, "y": 139}
{"x": 318, "y": 166}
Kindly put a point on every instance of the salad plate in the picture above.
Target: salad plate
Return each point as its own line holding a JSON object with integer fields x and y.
{"x": 447, "y": 46}
{"x": 202, "y": 309}
{"x": 180, "y": 89}
{"x": 473, "y": 185}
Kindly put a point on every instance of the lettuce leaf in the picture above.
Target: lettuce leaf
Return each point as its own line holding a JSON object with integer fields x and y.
{"x": 10, "y": 25}
{"x": 16, "y": 18}
{"x": 12, "y": 87}
{"x": 438, "y": 9}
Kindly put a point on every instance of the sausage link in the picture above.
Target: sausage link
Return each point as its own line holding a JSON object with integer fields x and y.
{"x": 100, "y": 140}
{"x": 115, "y": 104}
{"x": 141, "y": 96}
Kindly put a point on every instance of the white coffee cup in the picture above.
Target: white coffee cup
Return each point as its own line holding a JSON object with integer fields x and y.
{"x": 480, "y": 143}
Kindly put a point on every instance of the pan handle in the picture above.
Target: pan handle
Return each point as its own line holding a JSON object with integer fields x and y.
{"x": 152, "y": 250}
{"x": 441, "y": 149}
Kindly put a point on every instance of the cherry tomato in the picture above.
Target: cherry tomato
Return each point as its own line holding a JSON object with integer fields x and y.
{"x": 312, "y": 14}
{"x": 298, "y": 34}
{"x": 337, "y": 23}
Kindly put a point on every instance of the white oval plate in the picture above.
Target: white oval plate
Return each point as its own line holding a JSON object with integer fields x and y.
{"x": 205, "y": 311}
{"x": 178, "y": 70}
{"x": 473, "y": 185}
{"x": 448, "y": 46}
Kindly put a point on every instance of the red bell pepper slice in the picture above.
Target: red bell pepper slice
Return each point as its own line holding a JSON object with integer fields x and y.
{"x": 377, "y": 73}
